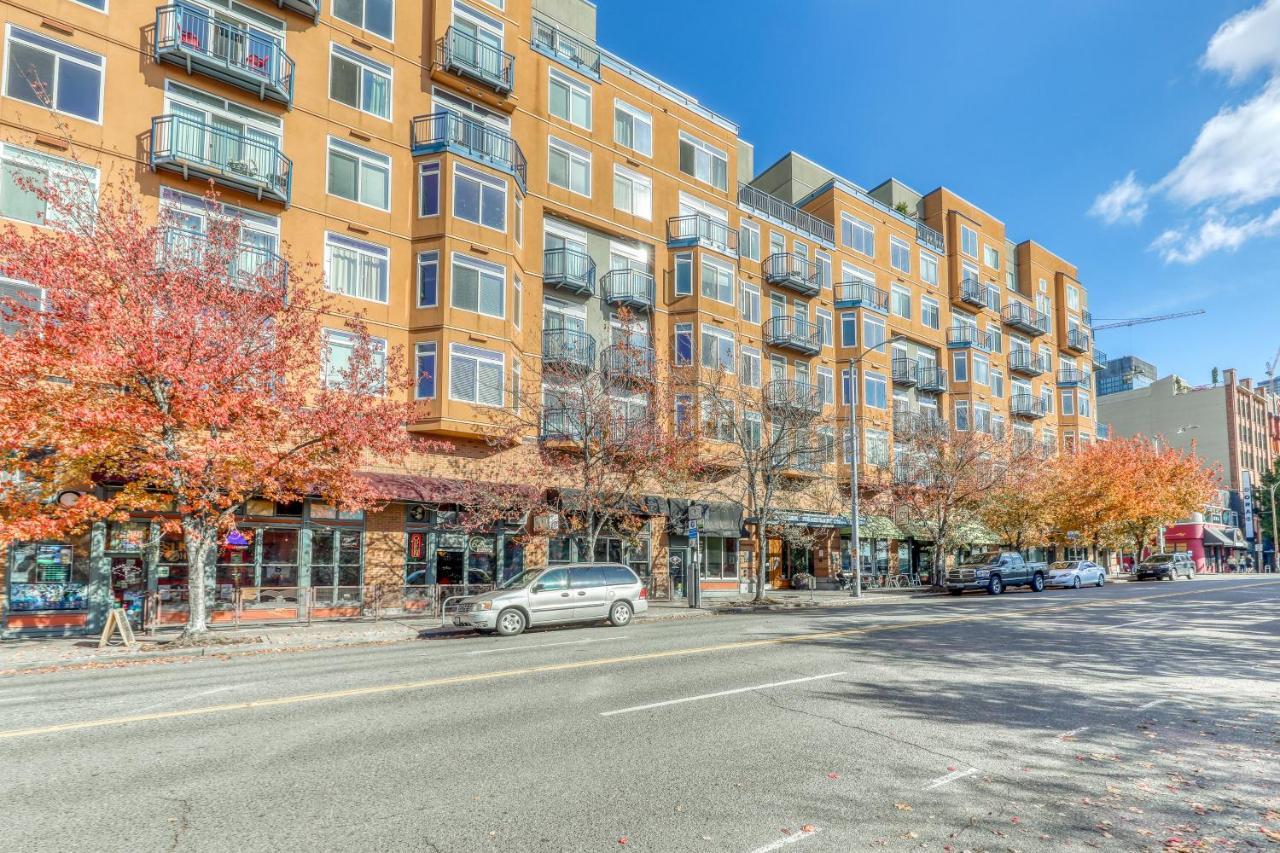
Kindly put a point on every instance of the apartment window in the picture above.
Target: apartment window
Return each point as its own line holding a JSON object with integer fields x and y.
{"x": 777, "y": 243}
{"x": 425, "y": 359}
{"x": 704, "y": 162}
{"x": 632, "y": 193}
{"x": 519, "y": 215}
{"x": 753, "y": 425}
{"x": 683, "y": 414}
{"x": 517, "y": 303}
{"x": 877, "y": 441}
{"x": 717, "y": 349}
{"x": 339, "y": 347}
{"x": 826, "y": 333}
{"x": 982, "y": 417}
{"x": 962, "y": 415}
{"x": 570, "y": 100}
{"x": 960, "y": 366}
{"x": 478, "y": 286}
{"x": 876, "y": 390}
{"x": 969, "y": 241}
{"x": 749, "y": 241}
{"x": 848, "y": 386}
{"x": 717, "y": 281}
{"x": 51, "y": 74}
{"x": 476, "y": 375}
{"x": 823, "y": 264}
{"x": 991, "y": 256}
{"x": 900, "y": 301}
{"x": 1084, "y": 405}
{"x": 827, "y": 385}
{"x": 359, "y": 174}
{"x": 997, "y": 384}
{"x": 1046, "y": 398}
{"x": 872, "y": 331}
{"x": 428, "y": 279}
{"x": 23, "y": 172}
{"x": 429, "y": 189}
{"x": 1073, "y": 298}
{"x": 684, "y": 274}
{"x": 981, "y": 369}
{"x": 356, "y": 268}
{"x": 858, "y": 235}
{"x": 683, "y": 342}
{"x": 928, "y": 268}
{"x": 750, "y": 303}
{"x": 633, "y": 128}
{"x": 569, "y": 166}
{"x": 899, "y": 255}
{"x": 848, "y": 329}
{"x": 100, "y": 5}
{"x": 749, "y": 368}
{"x": 930, "y": 314}
{"x": 995, "y": 339}
{"x": 479, "y": 198}
{"x": 376, "y": 16}
{"x": 1068, "y": 403}
{"x": 359, "y": 82}
{"x": 717, "y": 418}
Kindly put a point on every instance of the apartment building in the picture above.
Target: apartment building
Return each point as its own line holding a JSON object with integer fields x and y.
{"x": 489, "y": 187}
{"x": 1125, "y": 373}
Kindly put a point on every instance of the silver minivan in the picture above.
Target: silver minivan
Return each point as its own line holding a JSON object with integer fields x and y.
{"x": 556, "y": 595}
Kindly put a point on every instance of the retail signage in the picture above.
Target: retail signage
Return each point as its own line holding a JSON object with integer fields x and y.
{"x": 481, "y": 545}
{"x": 417, "y": 545}
{"x": 1246, "y": 494}
{"x": 236, "y": 539}
{"x": 453, "y": 541}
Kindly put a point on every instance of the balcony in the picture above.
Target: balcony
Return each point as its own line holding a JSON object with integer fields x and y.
{"x": 550, "y": 40}
{"x": 624, "y": 363}
{"x": 310, "y": 8}
{"x": 191, "y": 37}
{"x": 794, "y": 334}
{"x": 1026, "y": 363}
{"x": 446, "y": 131}
{"x": 250, "y": 262}
{"x": 860, "y": 294}
{"x": 698, "y": 229}
{"x": 932, "y": 380}
{"x": 628, "y": 289}
{"x": 1087, "y": 318}
{"x": 1071, "y": 377}
{"x": 790, "y": 396}
{"x": 909, "y": 418}
{"x": 931, "y": 238}
{"x": 190, "y": 147}
{"x": 1099, "y": 357}
{"x": 568, "y": 350}
{"x": 801, "y": 462}
{"x": 570, "y": 271}
{"x": 467, "y": 56}
{"x": 793, "y": 272}
{"x": 1026, "y": 319}
{"x": 562, "y": 425}
{"x": 959, "y": 337}
{"x": 1026, "y": 406}
{"x": 973, "y": 292}
{"x": 905, "y": 372}
{"x": 907, "y": 472}
{"x": 788, "y": 214}
{"x": 1077, "y": 340}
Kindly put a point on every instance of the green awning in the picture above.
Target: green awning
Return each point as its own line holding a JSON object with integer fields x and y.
{"x": 876, "y": 527}
{"x": 970, "y": 533}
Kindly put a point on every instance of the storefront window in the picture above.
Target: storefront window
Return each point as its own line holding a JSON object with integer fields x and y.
{"x": 237, "y": 556}
{"x": 336, "y": 562}
{"x": 482, "y": 559}
{"x": 720, "y": 558}
{"x": 171, "y": 568}
{"x": 128, "y": 537}
{"x": 417, "y": 571}
{"x": 49, "y": 576}
{"x": 512, "y": 558}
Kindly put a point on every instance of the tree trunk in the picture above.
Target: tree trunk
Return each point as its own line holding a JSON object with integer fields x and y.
{"x": 762, "y": 560}
{"x": 200, "y": 536}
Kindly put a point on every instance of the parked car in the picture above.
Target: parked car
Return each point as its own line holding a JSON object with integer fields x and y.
{"x": 1165, "y": 567}
{"x": 1075, "y": 574}
{"x": 996, "y": 572}
{"x": 590, "y": 592}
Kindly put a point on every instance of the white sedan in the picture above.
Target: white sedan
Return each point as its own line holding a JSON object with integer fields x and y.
{"x": 1075, "y": 573}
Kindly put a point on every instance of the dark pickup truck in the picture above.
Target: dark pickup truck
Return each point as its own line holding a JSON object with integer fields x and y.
{"x": 995, "y": 573}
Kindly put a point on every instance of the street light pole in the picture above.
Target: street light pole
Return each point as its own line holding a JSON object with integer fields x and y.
{"x": 1275, "y": 542}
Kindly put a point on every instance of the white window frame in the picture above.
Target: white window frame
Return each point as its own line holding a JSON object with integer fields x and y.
{"x": 750, "y": 308}
{"x": 573, "y": 154}
{"x": 870, "y": 378}
{"x": 896, "y": 292}
{"x": 991, "y": 256}
{"x": 860, "y": 231}
{"x": 636, "y": 115}
{"x": 826, "y": 326}
{"x": 421, "y": 350}
{"x": 363, "y": 157}
{"x": 571, "y": 87}
{"x": 928, "y": 268}
{"x": 722, "y": 337}
{"x": 750, "y": 367}
{"x": 480, "y": 356}
{"x": 330, "y": 336}
{"x": 365, "y": 64}
{"x": 425, "y": 169}
{"x": 711, "y": 153}
{"x": 683, "y": 330}
{"x": 849, "y": 320}
{"x": 63, "y": 171}
{"x": 484, "y": 181}
{"x": 365, "y": 17}
{"x": 425, "y": 259}
{"x": 725, "y": 271}
{"x": 827, "y": 385}
{"x": 62, "y": 52}
{"x": 902, "y": 249}
{"x": 482, "y": 268}
{"x": 754, "y": 230}
{"x": 641, "y": 188}
{"x": 929, "y": 305}
{"x": 967, "y": 236}
{"x": 365, "y": 251}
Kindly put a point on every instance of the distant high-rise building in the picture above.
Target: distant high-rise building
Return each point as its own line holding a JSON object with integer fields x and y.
{"x": 1125, "y": 373}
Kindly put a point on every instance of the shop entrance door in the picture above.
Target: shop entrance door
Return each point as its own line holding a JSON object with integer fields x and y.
{"x": 450, "y": 567}
{"x": 678, "y": 564}
{"x": 129, "y": 585}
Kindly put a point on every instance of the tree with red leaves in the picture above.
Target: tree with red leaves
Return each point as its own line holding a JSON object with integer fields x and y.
{"x": 189, "y": 373}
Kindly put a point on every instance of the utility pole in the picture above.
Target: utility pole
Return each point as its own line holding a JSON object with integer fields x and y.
{"x": 1275, "y": 542}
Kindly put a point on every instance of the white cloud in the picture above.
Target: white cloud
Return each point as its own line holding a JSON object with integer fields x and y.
{"x": 1214, "y": 234}
{"x": 1246, "y": 43}
{"x": 1125, "y": 201}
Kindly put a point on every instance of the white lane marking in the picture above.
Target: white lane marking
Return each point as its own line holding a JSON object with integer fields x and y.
{"x": 719, "y": 694}
{"x": 1138, "y": 622}
{"x": 7, "y": 699}
{"x": 1152, "y": 704}
{"x": 182, "y": 699}
{"x": 546, "y": 645}
{"x": 949, "y": 778}
{"x": 790, "y": 839}
{"x": 1073, "y": 732}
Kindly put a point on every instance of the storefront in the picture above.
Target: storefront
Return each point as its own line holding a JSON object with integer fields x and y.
{"x": 48, "y": 585}
{"x": 1213, "y": 547}
{"x": 440, "y": 552}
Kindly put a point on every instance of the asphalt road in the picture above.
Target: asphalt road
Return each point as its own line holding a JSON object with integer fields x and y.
{"x": 1138, "y": 716}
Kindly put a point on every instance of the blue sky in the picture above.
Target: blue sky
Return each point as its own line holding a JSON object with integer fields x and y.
{"x": 1140, "y": 140}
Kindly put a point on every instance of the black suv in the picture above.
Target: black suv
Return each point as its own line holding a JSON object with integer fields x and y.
{"x": 1165, "y": 567}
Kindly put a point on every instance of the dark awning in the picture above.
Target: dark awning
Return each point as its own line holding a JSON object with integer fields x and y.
{"x": 1224, "y": 538}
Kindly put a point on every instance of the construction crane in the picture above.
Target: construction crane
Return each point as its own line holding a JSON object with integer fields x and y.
{"x": 1123, "y": 322}
{"x": 1271, "y": 368}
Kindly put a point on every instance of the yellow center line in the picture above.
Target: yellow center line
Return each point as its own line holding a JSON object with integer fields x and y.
{"x": 302, "y": 698}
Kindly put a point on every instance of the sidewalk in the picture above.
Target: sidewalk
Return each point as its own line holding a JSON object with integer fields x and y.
{"x": 46, "y": 654}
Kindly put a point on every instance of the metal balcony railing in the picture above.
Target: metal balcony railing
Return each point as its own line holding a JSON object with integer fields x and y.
{"x": 793, "y": 333}
{"x": 1099, "y": 357}
{"x": 1027, "y": 363}
{"x": 185, "y": 145}
{"x": 905, "y": 371}
{"x": 1026, "y": 406}
{"x": 930, "y": 238}
{"x": 860, "y": 294}
{"x": 790, "y": 395}
{"x": 775, "y": 208}
{"x": 628, "y": 363}
{"x": 446, "y": 130}
{"x": 1086, "y": 317}
{"x": 554, "y": 42}
{"x": 629, "y": 288}
{"x": 1025, "y": 318}
{"x": 1072, "y": 376}
{"x": 250, "y": 261}
{"x": 973, "y": 292}
{"x": 966, "y": 336}
{"x": 568, "y": 349}
{"x": 909, "y": 418}
{"x": 700, "y": 228}
{"x": 562, "y": 424}
{"x": 792, "y": 271}
{"x": 931, "y": 379}
{"x": 1077, "y": 340}
{"x": 464, "y": 54}
{"x": 570, "y": 270}
{"x": 191, "y": 37}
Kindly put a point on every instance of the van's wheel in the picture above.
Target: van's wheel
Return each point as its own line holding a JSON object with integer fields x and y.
{"x": 995, "y": 586}
{"x": 1037, "y": 582}
{"x": 510, "y": 622}
{"x": 1075, "y": 584}
{"x": 619, "y": 614}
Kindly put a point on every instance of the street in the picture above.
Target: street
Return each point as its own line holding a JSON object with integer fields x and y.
{"x": 1137, "y": 716}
